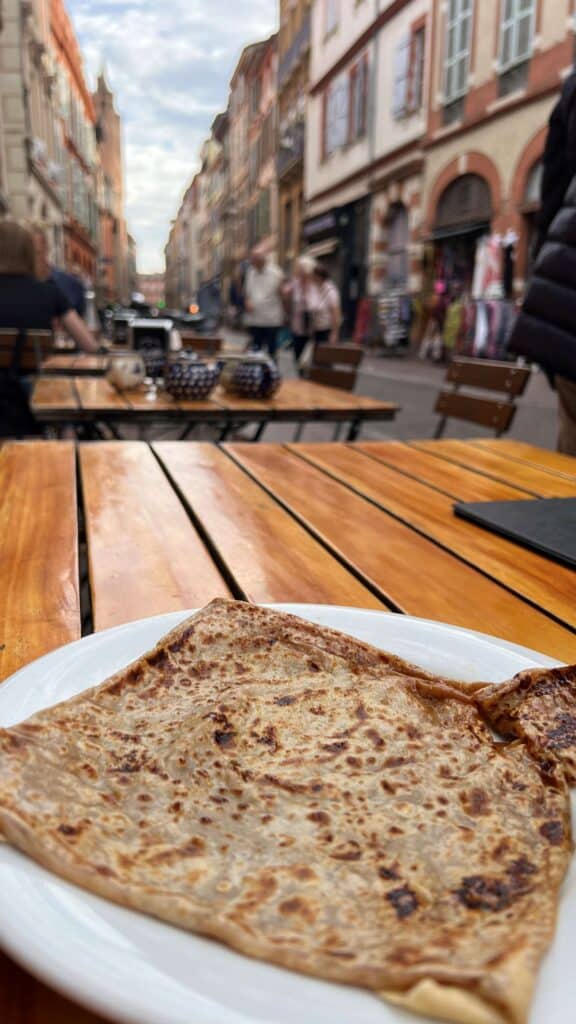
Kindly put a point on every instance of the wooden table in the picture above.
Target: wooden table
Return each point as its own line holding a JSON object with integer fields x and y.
{"x": 171, "y": 525}
{"x": 93, "y": 400}
{"x": 76, "y": 365}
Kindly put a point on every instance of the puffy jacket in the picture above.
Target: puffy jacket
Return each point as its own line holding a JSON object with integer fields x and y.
{"x": 545, "y": 331}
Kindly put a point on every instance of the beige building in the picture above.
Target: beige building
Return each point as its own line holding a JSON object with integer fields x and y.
{"x": 152, "y": 287}
{"x": 31, "y": 156}
{"x": 293, "y": 81}
{"x": 365, "y": 127}
{"x": 184, "y": 273}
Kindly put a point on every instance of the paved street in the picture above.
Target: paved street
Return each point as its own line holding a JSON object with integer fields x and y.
{"x": 414, "y": 384}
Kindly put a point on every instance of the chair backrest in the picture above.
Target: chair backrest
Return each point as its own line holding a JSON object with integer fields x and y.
{"x": 335, "y": 365}
{"x": 203, "y": 344}
{"x": 496, "y": 413}
{"x": 36, "y": 346}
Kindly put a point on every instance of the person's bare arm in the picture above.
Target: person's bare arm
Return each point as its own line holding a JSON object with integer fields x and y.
{"x": 77, "y": 330}
{"x": 336, "y": 316}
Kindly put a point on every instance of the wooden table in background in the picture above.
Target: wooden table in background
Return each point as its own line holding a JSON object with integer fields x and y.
{"x": 93, "y": 400}
{"x": 172, "y": 525}
{"x": 76, "y": 365}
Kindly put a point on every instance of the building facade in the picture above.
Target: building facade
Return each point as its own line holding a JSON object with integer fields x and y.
{"x": 425, "y": 132}
{"x": 491, "y": 94}
{"x": 262, "y": 201}
{"x": 239, "y": 172}
{"x": 31, "y": 159}
{"x": 293, "y": 82}
{"x": 365, "y": 144}
{"x": 112, "y": 283}
{"x": 152, "y": 287}
{"x": 76, "y": 121}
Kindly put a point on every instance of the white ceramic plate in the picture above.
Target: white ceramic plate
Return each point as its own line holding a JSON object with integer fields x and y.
{"x": 134, "y": 969}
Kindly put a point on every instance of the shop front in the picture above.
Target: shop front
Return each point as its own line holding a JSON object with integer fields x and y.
{"x": 462, "y": 224}
{"x": 339, "y": 240}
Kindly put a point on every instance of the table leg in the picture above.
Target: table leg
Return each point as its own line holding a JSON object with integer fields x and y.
{"x": 187, "y": 430}
{"x": 354, "y": 430}
{"x": 299, "y": 431}
{"x": 260, "y": 430}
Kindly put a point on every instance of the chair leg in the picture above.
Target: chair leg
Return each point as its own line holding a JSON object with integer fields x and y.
{"x": 440, "y": 428}
{"x": 299, "y": 431}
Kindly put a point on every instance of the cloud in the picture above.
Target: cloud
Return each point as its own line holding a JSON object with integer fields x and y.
{"x": 169, "y": 63}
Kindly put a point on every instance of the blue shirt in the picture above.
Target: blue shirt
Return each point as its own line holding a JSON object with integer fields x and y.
{"x": 72, "y": 287}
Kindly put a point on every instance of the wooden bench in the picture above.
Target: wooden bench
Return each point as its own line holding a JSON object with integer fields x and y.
{"x": 495, "y": 413}
{"x": 35, "y": 347}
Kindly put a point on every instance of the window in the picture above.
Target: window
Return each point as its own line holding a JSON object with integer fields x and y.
{"x": 332, "y": 12}
{"x": 336, "y": 114}
{"x": 358, "y": 99}
{"x": 417, "y": 55}
{"x": 517, "y": 32}
{"x": 408, "y": 89}
{"x": 401, "y": 78}
{"x": 458, "y": 36}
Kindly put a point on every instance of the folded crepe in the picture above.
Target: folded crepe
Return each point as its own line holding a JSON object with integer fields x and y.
{"x": 309, "y": 801}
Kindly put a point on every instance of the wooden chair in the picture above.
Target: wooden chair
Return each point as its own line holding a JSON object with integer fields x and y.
{"x": 335, "y": 365}
{"x": 202, "y": 344}
{"x": 495, "y": 413}
{"x": 35, "y": 347}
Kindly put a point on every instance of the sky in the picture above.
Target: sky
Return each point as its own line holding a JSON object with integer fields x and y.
{"x": 169, "y": 63}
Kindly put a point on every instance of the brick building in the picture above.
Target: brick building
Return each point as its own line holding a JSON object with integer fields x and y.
{"x": 491, "y": 96}
{"x": 112, "y": 278}
{"x": 76, "y": 123}
{"x": 262, "y": 200}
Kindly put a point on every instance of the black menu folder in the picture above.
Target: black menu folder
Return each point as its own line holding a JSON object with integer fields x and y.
{"x": 548, "y": 525}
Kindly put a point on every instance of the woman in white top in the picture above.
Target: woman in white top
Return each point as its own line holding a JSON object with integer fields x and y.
{"x": 299, "y": 294}
{"x": 327, "y": 312}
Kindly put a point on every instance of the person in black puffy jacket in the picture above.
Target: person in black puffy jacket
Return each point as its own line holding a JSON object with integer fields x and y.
{"x": 545, "y": 331}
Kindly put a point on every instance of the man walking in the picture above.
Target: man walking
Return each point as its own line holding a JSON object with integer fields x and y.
{"x": 264, "y": 309}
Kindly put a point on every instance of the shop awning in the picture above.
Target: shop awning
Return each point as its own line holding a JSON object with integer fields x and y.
{"x": 479, "y": 227}
{"x": 322, "y": 248}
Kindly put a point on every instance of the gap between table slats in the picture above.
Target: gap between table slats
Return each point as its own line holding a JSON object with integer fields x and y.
{"x": 272, "y": 557}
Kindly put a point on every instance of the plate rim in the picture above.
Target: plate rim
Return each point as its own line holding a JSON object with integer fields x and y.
{"x": 94, "y": 997}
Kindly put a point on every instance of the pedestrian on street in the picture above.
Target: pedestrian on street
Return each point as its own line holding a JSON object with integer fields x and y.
{"x": 264, "y": 308}
{"x": 327, "y": 308}
{"x": 71, "y": 284}
{"x": 545, "y": 331}
{"x": 299, "y": 295}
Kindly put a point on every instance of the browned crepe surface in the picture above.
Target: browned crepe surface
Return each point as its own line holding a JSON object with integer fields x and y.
{"x": 308, "y": 800}
{"x": 538, "y": 707}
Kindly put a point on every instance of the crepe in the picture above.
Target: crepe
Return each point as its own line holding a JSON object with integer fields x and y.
{"x": 311, "y": 802}
{"x": 538, "y": 707}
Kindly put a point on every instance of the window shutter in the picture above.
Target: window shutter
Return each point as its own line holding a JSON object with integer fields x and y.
{"x": 401, "y": 78}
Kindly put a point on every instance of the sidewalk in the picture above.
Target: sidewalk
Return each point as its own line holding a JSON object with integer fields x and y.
{"x": 414, "y": 384}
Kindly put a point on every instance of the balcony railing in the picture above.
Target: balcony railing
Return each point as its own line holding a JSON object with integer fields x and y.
{"x": 295, "y": 52}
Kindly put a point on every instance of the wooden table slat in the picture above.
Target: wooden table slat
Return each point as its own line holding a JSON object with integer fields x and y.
{"x": 541, "y": 483}
{"x": 452, "y": 479}
{"x": 414, "y": 573}
{"x": 39, "y": 590}
{"x": 97, "y": 394}
{"x": 270, "y": 555}
{"x": 526, "y": 573}
{"x": 145, "y": 556}
{"x": 54, "y": 393}
{"x": 554, "y": 462}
